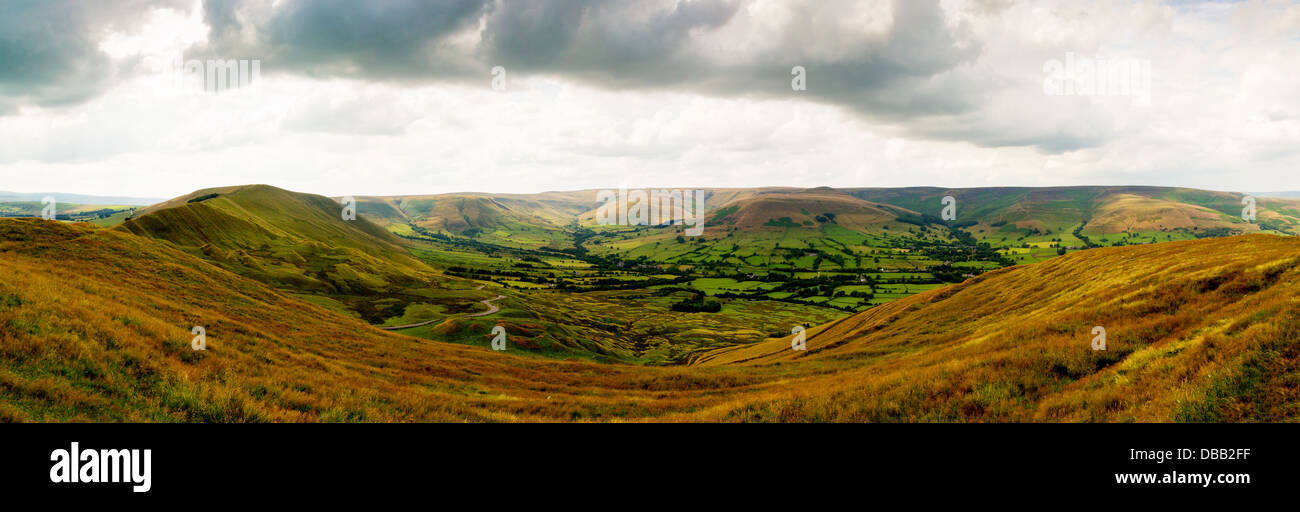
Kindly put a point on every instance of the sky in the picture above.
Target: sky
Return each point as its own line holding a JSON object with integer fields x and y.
{"x": 393, "y": 97}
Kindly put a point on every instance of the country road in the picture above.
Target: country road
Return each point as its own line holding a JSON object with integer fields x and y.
{"x": 492, "y": 308}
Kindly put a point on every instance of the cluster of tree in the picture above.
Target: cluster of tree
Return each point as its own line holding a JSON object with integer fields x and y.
{"x": 1078, "y": 233}
{"x": 78, "y": 216}
{"x": 967, "y": 249}
{"x": 1215, "y": 232}
{"x": 1274, "y": 226}
{"x": 783, "y": 222}
{"x": 791, "y": 300}
{"x": 948, "y": 273}
{"x": 698, "y": 304}
{"x": 618, "y": 284}
{"x": 490, "y": 274}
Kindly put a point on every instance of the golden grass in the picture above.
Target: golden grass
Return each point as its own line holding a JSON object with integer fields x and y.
{"x": 95, "y": 326}
{"x": 1191, "y": 329}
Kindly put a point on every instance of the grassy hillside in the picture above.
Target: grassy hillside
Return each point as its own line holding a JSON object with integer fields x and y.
{"x": 1204, "y": 330}
{"x": 299, "y": 244}
{"x": 95, "y": 322}
{"x": 95, "y": 326}
{"x": 292, "y": 241}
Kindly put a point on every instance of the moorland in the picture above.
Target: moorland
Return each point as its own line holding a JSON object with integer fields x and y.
{"x": 911, "y": 314}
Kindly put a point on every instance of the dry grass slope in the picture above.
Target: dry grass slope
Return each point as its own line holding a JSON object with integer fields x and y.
{"x": 95, "y": 326}
{"x": 1205, "y": 330}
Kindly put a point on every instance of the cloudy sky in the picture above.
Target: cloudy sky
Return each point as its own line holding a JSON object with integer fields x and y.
{"x": 398, "y": 96}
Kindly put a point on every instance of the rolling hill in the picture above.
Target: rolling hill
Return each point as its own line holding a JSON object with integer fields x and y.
{"x": 761, "y": 226}
{"x": 531, "y": 220}
{"x": 297, "y": 242}
{"x": 1027, "y": 223}
{"x": 806, "y": 210}
{"x": 76, "y": 198}
{"x": 1096, "y": 211}
{"x": 97, "y": 327}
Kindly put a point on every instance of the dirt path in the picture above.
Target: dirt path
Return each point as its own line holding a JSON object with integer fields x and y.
{"x": 492, "y": 308}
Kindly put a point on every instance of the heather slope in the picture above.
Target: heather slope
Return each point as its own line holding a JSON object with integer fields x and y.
{"x": 1205, "y": 330}
{"x": 95, "y": 325}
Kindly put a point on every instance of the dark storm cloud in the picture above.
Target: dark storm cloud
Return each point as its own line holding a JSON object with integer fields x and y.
{"x": 910, "y": 74}
{"x": 623, "y": 45}
{"x": 379, "y": 40}
{"x": 616, "y": 44}
{"x": 49, "y": 49}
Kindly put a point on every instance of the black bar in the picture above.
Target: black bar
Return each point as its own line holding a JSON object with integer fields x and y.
{"x": 414, "y": 460}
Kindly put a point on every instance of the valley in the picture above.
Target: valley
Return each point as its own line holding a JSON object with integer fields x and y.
{"x": 909, "y": 317}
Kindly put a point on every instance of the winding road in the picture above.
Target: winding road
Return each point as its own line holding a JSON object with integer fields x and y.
{"x": 492, "y": 308}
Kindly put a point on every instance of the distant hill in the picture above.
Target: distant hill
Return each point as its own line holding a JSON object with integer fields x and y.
{"x": 1025, "y": 224}
{"x": 1287, "y": 194}
{"x": 516, "y": 220}
{"x": 1096, "y": 210}
{"x": 10, "y": 197}
{"x": 806, "y": 209}
{"x": 1099, "y": 211}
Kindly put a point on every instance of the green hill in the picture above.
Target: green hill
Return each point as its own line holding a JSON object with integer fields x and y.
{"x": 293, "y": 241}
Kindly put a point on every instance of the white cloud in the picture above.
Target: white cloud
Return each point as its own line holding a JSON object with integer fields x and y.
{"x": 1224, "y": 113}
